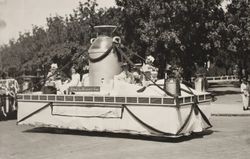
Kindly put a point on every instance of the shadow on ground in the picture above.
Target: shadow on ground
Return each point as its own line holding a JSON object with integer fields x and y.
{"x": 221, "y": 93}
{"x": 119, "y": 135}
{"x": 236, "y": 85}
{"x": 11, "y": 116}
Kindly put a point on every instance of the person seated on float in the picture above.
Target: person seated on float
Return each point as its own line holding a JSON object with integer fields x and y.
{"x": 74, "y": 81}
{"x": 154, "y": 74}
{"x": 149, "y": 70}
{"x": 75, "y": 77}
{"x": 27, "y": 85}
{"x": 125, "y": 75}
{"x": 51, "y": 84}
{"x": 85, "y": 76}
{"x": 137, "y": 77}
{"x": 64, "y": 79}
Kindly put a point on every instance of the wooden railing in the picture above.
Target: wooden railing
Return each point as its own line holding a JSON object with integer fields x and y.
{"x": 220, "y": 79}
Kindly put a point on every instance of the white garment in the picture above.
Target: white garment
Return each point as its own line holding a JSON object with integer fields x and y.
{"x": 146, "y": 67}
{"x": 85, "y": 80}
{"x": 244, "y": 95}
{"x": 50, "y": 80}
{"x": 243, "y": 87}
{"x": 151, "y": 72}
{"x": 25, "y": 85}
{"x": 75, "y": 80}
{"x": 13, "y": 86}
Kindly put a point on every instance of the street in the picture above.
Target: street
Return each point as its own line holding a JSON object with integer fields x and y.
{"x": 229, "y": 138}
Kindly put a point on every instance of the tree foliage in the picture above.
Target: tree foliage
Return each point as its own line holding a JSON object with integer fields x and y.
{"x": 178, "y": 32}
{"x": 62, "y": 39}
{"x": 238, "y": 33}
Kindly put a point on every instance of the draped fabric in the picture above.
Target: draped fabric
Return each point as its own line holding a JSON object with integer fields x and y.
{"x": 146, "y": 120}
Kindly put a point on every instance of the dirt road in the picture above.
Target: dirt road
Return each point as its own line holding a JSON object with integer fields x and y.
{"x": 229, "y": 138}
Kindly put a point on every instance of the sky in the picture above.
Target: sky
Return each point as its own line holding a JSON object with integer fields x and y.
{"x": 20, "y": 15}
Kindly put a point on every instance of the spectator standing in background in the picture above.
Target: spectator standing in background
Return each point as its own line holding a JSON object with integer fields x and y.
{"x": 244, "y": 87}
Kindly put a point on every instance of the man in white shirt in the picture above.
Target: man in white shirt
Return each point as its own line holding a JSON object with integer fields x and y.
{"x": 244, "y": 88}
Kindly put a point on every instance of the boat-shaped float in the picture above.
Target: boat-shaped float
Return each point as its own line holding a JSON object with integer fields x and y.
{"x": 105, "y": 104}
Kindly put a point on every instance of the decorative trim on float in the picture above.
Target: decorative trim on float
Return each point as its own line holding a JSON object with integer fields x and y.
{"x": 158, "y": 101}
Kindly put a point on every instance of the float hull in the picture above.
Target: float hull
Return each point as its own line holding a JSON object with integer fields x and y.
{"x": 117, "y": 117}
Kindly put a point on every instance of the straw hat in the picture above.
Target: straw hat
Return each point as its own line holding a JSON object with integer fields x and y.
{"x": 53, "y": 66}
{"x": 150, "y": 58}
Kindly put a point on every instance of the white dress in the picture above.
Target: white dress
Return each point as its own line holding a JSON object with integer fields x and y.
{"x": 75, "y": 80}
{"x": 85, "y": 80}
{"x": 151, "y": 72}
{"x": 244, "y": 94}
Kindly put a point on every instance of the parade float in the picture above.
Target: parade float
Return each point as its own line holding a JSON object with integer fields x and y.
{"x": 104, "y": 104}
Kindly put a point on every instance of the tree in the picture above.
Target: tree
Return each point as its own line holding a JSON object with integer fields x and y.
{"x": 176, "y": 32}
{"x": 238, "y": 36}
{"x": 179, "y": 32}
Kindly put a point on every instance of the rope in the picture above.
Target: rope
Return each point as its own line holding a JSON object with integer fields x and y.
{"x": 186, "y": 121}
{"x": 134, "y": 53}
{"x": 33, "y": 113}
{"x": 156, "y": 131}
{"x": 197, "y": 107}
{"x": 102, "y": 56}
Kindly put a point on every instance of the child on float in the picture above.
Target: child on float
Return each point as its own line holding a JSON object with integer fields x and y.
{"x": 149, "y": 70}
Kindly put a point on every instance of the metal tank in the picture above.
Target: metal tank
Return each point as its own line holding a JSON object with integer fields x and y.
{"x": 200, "y": 84}
{"x": 172, "y": 85}
{"x": 103, "y": 61}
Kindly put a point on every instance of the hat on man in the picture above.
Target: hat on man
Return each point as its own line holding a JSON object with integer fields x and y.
{"x": 53, "y": 66}
{"x": 150, "y": 58}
